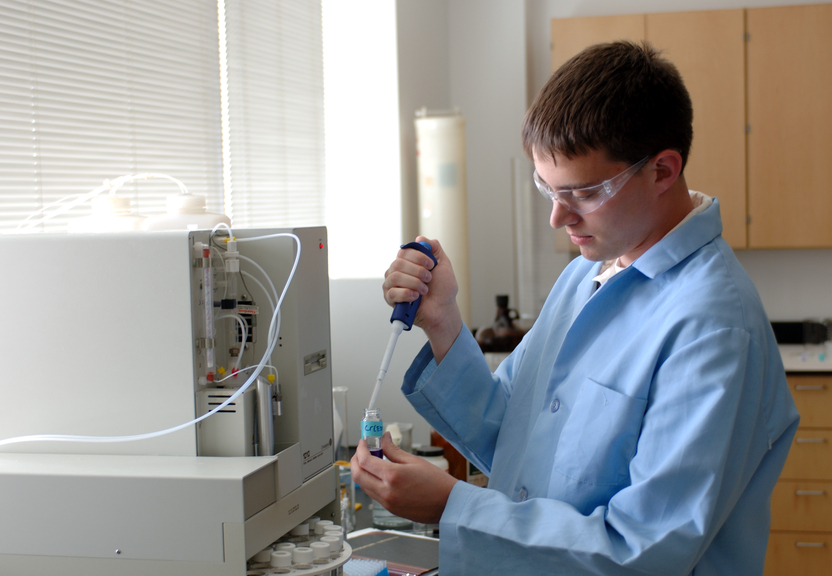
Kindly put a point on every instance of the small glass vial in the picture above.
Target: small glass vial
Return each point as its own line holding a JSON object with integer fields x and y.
{"x": 371, "y": 430}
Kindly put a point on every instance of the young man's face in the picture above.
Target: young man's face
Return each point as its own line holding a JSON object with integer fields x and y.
{"x": 623, "y": 227}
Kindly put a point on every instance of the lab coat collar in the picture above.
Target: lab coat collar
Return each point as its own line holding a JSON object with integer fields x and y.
{"x": 681, "y": 242}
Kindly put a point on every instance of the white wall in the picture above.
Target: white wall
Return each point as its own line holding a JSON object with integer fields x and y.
{"x": 424, "y": 82}
{"x": 488, "y": 79}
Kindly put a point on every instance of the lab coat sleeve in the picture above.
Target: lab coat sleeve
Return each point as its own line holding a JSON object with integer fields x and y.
{"x": 471, "y": 422}
{"x": 699, "y": 452}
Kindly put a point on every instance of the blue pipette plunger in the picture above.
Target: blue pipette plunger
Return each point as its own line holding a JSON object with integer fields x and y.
{"x": 402, "y": 319}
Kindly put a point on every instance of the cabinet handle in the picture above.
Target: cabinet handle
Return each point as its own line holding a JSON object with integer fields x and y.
{"x": 810, "y": 492}
{"x": 810, "y": 544}
{"x": 810, "y": 440}
{"x": 812, "y": 387}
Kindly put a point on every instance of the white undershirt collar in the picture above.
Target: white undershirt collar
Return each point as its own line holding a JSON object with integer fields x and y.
{"x": 612, "y": 267}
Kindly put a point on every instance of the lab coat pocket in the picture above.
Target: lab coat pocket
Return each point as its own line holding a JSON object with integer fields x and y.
{"x": 600, "y": 436}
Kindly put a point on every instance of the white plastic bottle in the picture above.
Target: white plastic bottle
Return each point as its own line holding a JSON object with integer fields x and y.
{"x": 436, "y": 456}
{"x": 185, "y": 212}
{"x": 110, "y": 213}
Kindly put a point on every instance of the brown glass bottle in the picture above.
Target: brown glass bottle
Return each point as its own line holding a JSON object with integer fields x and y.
{"x": 503, "y": 335}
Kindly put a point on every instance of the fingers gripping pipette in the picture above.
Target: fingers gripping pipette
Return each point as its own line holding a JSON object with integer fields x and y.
{"x": 402, "y": 319}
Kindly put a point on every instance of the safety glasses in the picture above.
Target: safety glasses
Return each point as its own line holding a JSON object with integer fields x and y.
{"x": 586, "y": 200}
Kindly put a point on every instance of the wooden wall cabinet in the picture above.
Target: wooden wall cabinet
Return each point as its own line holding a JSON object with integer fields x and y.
{"x": 801, "y": 505}
{"x": 759, "y": 80}
{"x": 790, "y": 120}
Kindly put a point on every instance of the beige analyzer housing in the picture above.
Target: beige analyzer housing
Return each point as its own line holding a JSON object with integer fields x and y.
{"x": 105, "y": 335}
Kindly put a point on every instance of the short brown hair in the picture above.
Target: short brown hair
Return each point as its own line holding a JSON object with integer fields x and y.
{"x": 621, "y": 98}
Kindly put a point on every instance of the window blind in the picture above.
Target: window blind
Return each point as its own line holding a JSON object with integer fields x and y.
{"x": 275, "y": 113}
{"x": 98, "y": 89}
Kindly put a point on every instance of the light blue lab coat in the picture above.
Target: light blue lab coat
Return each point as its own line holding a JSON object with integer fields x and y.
{"x": 637, "y": 429}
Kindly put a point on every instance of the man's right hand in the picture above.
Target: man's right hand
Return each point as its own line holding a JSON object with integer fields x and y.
{"x": 410, "y": 276}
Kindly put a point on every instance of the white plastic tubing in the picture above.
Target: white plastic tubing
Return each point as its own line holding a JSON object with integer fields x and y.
{"x": 274, "y": 330}
{"x": 69, "y": 202}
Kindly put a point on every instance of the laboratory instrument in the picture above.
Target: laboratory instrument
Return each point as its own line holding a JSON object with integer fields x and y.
{"x": 209, "y": 353}
{"x": 404, "y": 313}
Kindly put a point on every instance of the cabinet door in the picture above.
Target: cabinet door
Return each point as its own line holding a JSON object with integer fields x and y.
{"x": 790, "y": 139}
{"x": 813, "y": 397}
{"x": 801, "y": 506}
{"x": 708, "y": 49}
{"x": 571, "y": 35}
{"x": 810, "y": 457}
{"x": 798, "y": 554}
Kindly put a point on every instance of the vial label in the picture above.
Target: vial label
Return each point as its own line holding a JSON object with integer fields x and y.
{"x": 371, "y": 428}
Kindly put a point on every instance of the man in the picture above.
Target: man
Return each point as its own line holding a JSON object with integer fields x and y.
{"x": 642, "y": 423}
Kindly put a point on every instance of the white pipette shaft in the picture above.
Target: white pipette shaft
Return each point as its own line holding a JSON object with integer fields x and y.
{"x": 398, "y": 326}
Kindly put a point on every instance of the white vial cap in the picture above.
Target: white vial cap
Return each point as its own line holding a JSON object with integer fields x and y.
{"x": 264, "y": 555}
{"x": 301, "y": 530}
{"x": 285, "y": 546}
{"x": 321, "y": 526}
{"x": 312, "y": 520}
{"x": 302, "y": 555}
{"x": 334, "y": 532}
{"x": 281, "y": 559}
{"x": 334, "y": 543}
{"x": 320, "y": 549}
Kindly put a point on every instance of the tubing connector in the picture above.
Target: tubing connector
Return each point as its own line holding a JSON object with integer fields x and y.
{"x": 232, "y": 257}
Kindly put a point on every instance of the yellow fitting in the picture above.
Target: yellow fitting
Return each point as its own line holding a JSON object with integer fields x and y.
{"x": 220, "y": 370}
{"x": 270, "y": 378}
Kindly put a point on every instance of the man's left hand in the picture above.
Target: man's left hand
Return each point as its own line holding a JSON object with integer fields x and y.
{"x": 407, "y": 485}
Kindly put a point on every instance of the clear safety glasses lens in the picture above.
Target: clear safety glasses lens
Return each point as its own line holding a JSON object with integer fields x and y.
{"x": 586, "y": 200}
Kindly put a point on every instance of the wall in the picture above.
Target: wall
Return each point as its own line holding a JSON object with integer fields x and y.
{"x": 424, "y": 82}
{"x": 488, "y": 78}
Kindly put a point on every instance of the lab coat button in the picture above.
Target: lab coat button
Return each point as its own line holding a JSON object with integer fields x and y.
{"x": 555, "y": 405}
{"x": 524, "y": 494}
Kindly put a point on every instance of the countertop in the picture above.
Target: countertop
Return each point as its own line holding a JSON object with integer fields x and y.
{"x": 807, "y": 357}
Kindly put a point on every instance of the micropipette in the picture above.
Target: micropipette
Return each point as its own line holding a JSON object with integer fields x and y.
{"x": 402, "y": 319}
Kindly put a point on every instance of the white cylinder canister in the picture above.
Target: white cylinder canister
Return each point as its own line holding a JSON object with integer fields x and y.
{"x": 443, "y": 199}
